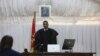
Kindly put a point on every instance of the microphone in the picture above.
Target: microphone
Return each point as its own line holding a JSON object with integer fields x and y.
{"x": 38, "y": 46}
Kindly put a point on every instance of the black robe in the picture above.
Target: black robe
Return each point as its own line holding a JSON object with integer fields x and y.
{"x": 43, "y": 38}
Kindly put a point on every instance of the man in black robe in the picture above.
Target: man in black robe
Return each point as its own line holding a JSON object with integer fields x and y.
{"x": 44, "y": 37}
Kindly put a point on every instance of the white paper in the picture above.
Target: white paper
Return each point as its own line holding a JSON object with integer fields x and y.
{"x": 53, "y": 48}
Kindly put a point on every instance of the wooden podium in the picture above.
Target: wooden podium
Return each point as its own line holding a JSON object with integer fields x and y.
{"x": 61, "y": 54}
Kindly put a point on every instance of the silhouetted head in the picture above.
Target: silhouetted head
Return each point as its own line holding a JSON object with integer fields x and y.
{"x": 6, "y": 42}
{"x": 25, "y": 50}
{"x": 45, "y": 24}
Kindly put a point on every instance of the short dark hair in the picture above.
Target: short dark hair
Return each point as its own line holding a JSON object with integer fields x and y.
{"x": 6, "y": 42}
{"x": 45, "y": 21}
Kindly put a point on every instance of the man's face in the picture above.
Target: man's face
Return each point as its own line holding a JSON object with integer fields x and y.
{"x": 45, "y": 25}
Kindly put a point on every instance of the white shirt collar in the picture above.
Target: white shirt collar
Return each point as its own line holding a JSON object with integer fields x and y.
{"x": 45, "y": 29}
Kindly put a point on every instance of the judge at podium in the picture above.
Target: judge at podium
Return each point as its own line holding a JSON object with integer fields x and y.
{"x": 44, "y": 37}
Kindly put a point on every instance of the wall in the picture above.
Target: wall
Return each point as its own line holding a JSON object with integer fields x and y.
{"x": 87, "y": 35}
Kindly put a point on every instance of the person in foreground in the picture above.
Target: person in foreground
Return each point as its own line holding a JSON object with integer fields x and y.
{"x": 44, "y": 37}
{"x": 6, "y": 47}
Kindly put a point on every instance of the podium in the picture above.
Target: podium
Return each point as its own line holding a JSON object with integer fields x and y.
{"x": 61, "y": 54}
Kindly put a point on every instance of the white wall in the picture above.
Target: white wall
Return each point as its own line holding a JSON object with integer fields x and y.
{"x": 87, "y": 36}
{"x": 66, "y": 7}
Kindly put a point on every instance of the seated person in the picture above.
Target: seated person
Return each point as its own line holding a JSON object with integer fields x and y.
{"x": 6, "y": 47}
